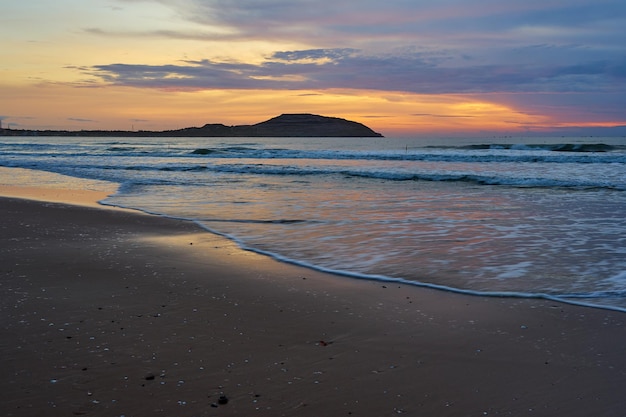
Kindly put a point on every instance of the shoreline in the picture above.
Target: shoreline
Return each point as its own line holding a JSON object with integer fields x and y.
{"x": 158, "y": 316}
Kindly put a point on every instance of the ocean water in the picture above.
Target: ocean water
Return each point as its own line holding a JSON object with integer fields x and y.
{"x": 511, "y": 217}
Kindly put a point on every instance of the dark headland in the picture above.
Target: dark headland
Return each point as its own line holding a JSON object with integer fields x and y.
{"x": 285, "y": 125}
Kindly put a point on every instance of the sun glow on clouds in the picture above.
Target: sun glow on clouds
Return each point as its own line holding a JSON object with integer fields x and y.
{"x": 429, "y": 67}
{"x": 391, "y": 113}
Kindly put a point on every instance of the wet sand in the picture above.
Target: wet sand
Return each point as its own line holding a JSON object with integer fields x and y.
{"x": 112, "y": 313}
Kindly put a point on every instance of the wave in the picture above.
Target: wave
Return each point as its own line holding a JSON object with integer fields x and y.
{"x": 558, "y": 147}
{"x": 392, "y": 175}
{"x": 589, "y": 298}
{"x": 121, "y": 149}
{"x": 298, "y": 171}
{"x": 480, "y": 153}
{"x": 566, "y": 299}
{"x": 253, "y": 221}
{"x": 475, "y": 154}
{"x": 573, "y": 299}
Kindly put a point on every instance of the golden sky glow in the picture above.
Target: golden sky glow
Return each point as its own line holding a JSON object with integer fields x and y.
{"x": 161, "y": 64}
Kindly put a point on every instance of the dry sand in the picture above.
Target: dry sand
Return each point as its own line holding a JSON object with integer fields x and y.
{"x": 111, "y": 313}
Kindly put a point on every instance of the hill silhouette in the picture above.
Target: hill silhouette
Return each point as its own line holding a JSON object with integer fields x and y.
{"x": 285, "y": 125}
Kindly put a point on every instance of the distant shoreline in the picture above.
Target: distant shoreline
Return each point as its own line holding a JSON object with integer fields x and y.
{"x": 285, "y": 125}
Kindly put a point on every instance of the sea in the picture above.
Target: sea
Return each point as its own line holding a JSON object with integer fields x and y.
{"x": 491, "y": 217}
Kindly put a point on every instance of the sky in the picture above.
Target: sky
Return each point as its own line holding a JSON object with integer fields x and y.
{"x": 402, "y": 67}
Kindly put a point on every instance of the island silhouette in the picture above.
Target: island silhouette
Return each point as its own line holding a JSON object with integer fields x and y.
{"x": 285, "y": 125}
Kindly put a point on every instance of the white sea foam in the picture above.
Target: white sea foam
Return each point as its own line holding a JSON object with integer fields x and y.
{"x": 619, "y": 278}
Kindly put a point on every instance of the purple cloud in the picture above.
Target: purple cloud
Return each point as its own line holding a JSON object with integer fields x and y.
{"x": 455, "y": 23}
{"x": 430, "y": 46}
{"x": 349, "y": 68}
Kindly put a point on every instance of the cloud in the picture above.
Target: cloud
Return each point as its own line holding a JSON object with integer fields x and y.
{"x": 442, "y": 115}
{"x": 430, "y": 46}
{"x": 320, "y": 69}
{"x": 549, "y": 57}
{"x": 14, "y": 124}
{"x": 76, "y": 119}
{"x": 161, "y": 33}
{"x": 315, "y": 54}
{"x": 455, "y": 23}
{"x": 19, "y": 117}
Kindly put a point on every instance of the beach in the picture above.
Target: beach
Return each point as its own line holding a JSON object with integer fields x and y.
{"x": 114, "y": 313}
